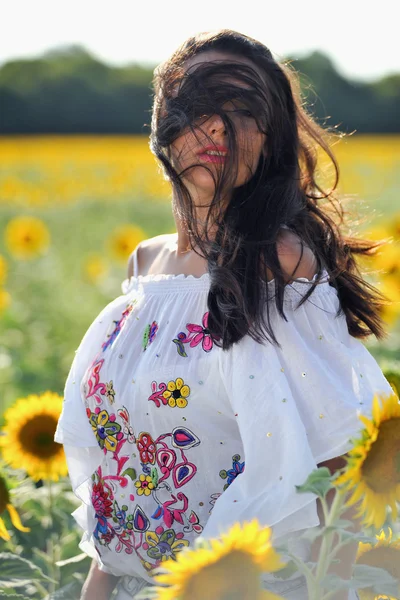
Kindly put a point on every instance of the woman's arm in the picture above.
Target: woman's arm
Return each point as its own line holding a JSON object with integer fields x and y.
{"x": 347, "y": 554}
{"x": 98, "y": 585}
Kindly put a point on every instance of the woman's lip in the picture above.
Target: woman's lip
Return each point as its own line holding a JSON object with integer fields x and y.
{"x": 213, "y": 158}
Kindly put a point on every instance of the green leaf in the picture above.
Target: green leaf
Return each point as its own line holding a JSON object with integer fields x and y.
{"x": 287, "y": 571}
{"x": 17, "y": 571}
{"x": 318, "y": 482}
{"x": 154, "y": 476}
{"x": 378, "y": 579}
{"x": 130, "y": 473}
{"x": 12, "y": 595}
{"x": 73, "y": 559}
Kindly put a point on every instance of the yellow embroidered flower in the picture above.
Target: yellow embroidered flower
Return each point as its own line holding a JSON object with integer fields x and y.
{"x": 27, "y": 237}
{"x": 222, "y": 568}
{"x": 176, "y": 393}
{"x": 384, "y": 554}
{"x": 5, "y": 300}
{"x": 3, "y": 270}
{"x": 144, "y": 485}
{"x": 95, "y": 268}
{"x": 27, "y": 440}
{"x": 372, "y": 474}
{"x": 124, "y": 240}
{"x": 5, "y": 503}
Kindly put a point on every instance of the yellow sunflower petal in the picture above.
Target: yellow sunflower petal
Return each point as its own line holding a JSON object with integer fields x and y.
{"x": 179, "y": 383}
{"x": 15, "y": 520}
{"x": 171, "y": 386}
{"x": 3, "y": 531}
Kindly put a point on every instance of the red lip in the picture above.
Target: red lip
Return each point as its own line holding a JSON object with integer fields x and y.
{"x": 214, "y": 147}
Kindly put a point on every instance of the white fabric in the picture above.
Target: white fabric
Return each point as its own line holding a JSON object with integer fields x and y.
{"x": 281, "y": 410}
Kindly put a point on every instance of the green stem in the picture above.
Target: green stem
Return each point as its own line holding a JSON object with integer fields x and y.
{"x": 326, "y": 545}
{"x": 40, "y": 588}
{"x": 306, "y": 571}
{"x": 51, "y": 541}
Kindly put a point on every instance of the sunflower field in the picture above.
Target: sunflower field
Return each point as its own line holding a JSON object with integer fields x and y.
{"x": 72, "y": 209}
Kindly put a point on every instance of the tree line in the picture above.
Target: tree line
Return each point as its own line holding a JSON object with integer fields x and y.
{"x": 68, "y": 90}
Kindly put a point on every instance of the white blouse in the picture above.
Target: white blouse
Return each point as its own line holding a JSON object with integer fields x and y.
{"x": 168, "y": 437}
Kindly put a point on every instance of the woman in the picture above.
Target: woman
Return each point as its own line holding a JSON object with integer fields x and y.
{"x": 232, "y": 364}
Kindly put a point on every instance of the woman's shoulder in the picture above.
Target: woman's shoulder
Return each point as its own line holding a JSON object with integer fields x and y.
{"x": 145, "y": 253}
{"x": 295, "y": 257}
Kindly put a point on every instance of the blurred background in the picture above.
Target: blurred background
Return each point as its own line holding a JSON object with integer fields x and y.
{"x": 79, "y": 186}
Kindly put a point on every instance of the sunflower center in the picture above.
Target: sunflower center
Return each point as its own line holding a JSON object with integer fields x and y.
{"x": 176, "y": 394}
{"x": 4, "y": 495}
{"x": 381, "y": 468}
{"x": 384, "y": 558}
{"x": 243, "y": 582}
{"x": 37, "y": 437}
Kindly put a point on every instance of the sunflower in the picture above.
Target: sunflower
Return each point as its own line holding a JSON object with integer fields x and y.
{"x": 226, "y": 567}
{"x": 5, "y": 503}
{"x": 177, "y": 393}
{"x": 391, "y": 289}
{"x": 95, "y": 268}
{"x": 372, "y": 474}
{"x": 123, "y": 240}
{"x": 27, "y": 440}
{"x": 3, "y": 270}
{"x": 5, "y": 300}
{"x": 385, "y": 554}
{"x": 27, "y": 237}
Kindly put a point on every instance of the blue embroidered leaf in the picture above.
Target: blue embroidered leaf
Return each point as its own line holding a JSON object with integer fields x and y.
{"x": 180, "y": 348}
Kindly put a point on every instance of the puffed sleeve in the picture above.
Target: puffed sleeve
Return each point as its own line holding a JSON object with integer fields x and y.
{"x": 295, "y": 406}
{"x": 82, "y": 451}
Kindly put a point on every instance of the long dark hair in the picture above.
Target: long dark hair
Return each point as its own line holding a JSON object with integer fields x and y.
{"x": 282, "y": 190}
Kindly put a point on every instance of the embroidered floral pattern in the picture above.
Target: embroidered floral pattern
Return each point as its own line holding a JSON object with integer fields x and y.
{"x": 118, "y": 326}
{"x": 231, "y": 474}
{"x": 93, "y": 387}
{"x": 107, "y": 432}
{"x": 145, "y": 485}
{"x": 156, "y": 475}
{"x": 127, "y": 429}
{"x": 197, "y": 334}
{"x": 147, "y": 448}
{"x": 149, "y": 334}
{"x": 177, "y": 393}
{"x": 164, "y": 544}
{"x": 174, "y": 393}
{"x": 110, "y": 392}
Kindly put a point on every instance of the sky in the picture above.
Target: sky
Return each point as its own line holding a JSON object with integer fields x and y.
{"x": 360, "y": 37}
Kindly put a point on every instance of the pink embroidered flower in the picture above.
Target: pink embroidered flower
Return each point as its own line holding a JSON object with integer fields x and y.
{"x": 198, "y": 333}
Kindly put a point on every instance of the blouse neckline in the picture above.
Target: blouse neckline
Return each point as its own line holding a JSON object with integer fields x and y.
{"x": 162, "y": 282}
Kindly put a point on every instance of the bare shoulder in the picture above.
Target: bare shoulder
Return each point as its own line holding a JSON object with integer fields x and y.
{"x": 296, "y": 259}
{"x": 146, "y": 252}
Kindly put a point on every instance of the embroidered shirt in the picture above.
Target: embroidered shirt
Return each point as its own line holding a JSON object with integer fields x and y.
{"x": 168, "y": 437}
